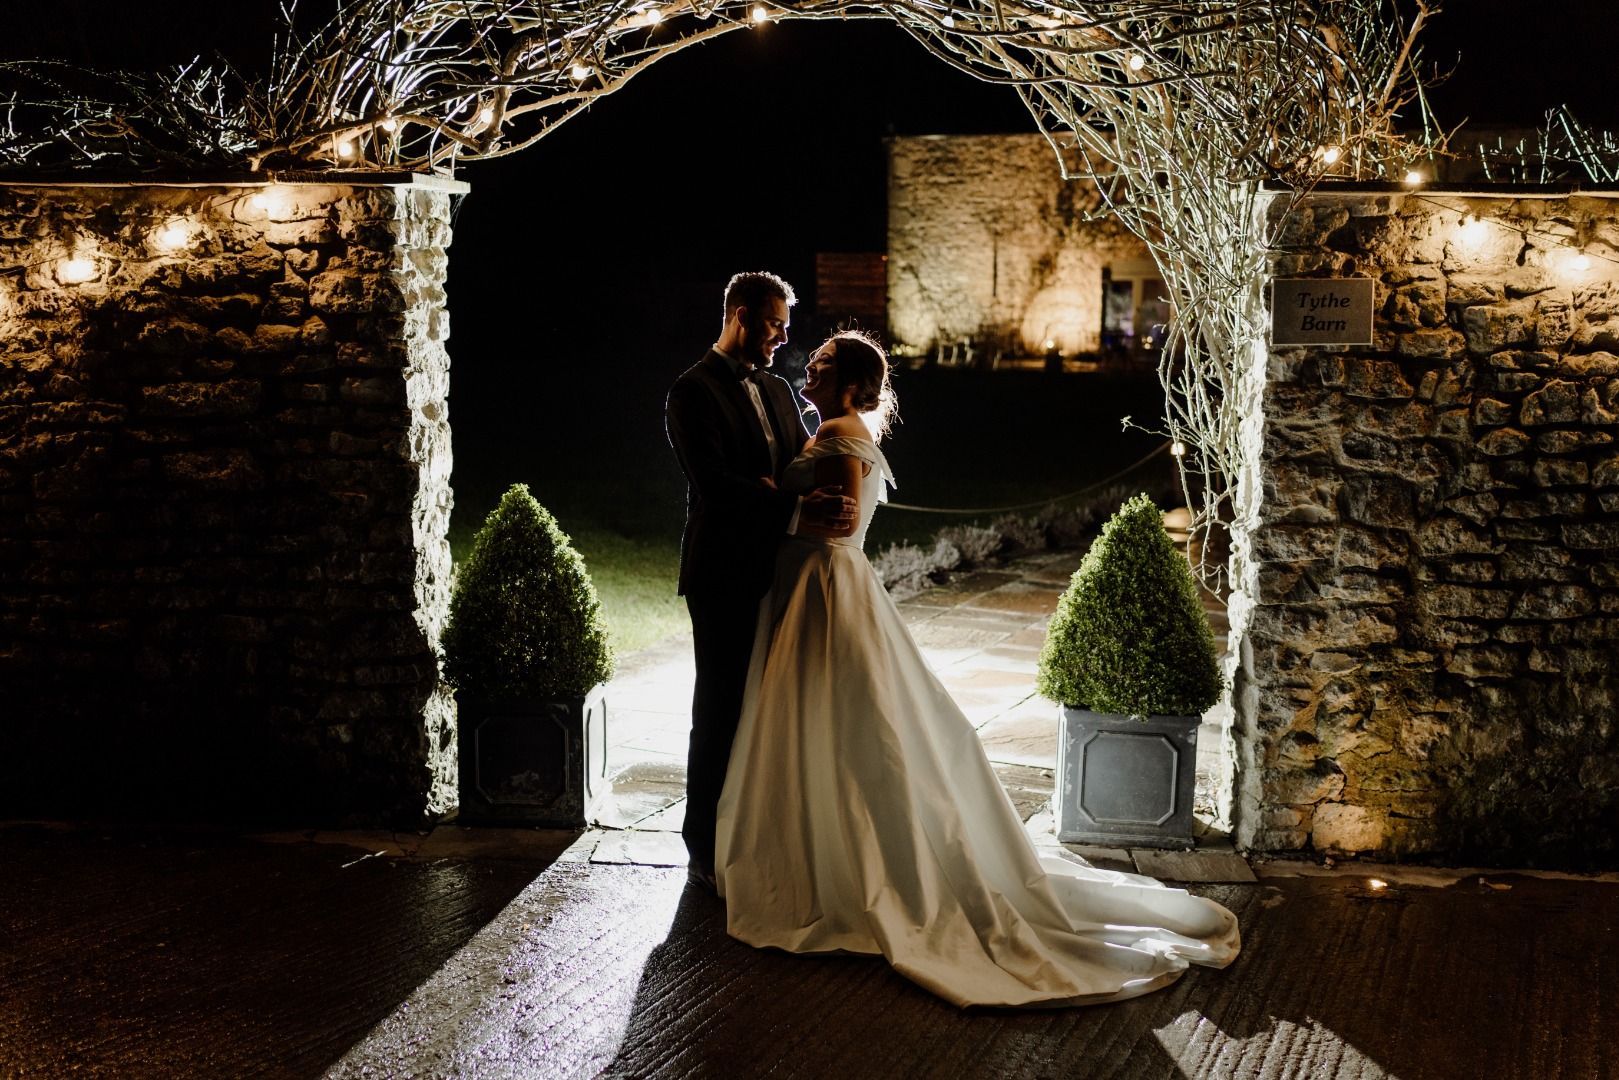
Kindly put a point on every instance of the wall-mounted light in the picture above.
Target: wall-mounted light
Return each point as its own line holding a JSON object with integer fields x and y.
{"x": 177, "y": 234}
{"x": 1472, "y": 232}
{"x": 272, "y": 202}
{"x": 77, "y": 269}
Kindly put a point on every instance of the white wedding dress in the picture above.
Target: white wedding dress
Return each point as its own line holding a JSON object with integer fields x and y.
{"x": 861, "y": 815}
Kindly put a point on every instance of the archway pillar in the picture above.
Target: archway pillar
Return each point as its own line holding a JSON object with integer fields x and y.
{"x": 224, "y": 499}
{"x": 1426, "y": 623}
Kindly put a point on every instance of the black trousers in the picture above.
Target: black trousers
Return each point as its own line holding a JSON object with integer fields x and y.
{"x": 722, "y": 628}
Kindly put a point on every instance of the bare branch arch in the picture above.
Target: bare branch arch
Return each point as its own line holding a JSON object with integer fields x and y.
{"x": 1177, "y": 109}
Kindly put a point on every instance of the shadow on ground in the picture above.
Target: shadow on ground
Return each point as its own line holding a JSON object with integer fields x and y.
{"x": 136, "y": 953}
{"x": 1511, "y": 977}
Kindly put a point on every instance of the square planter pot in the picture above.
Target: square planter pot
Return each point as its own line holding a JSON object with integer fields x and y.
{"x": 1125, "y": 781}
{"x": 533, "y": 761}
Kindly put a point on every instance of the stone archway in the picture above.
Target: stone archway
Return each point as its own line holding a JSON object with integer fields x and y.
{"x": 1131, "y": 95}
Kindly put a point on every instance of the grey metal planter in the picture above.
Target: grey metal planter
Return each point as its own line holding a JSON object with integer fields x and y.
{"x": 1125, "y": 780}
{"x": 533, "y": 761}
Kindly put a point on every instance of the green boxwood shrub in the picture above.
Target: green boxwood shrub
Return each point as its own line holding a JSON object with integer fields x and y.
{"x": 1129, "y": 635}
{"x": 524, "y": 618}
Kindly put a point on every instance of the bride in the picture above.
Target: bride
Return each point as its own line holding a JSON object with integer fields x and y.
{"x": 860, "y": 813}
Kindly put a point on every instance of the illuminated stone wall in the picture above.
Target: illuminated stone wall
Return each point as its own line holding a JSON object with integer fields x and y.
{"x": 1431, "y": 661}
{"x": 987, "y": 243}
{"x": 224, "y": 498}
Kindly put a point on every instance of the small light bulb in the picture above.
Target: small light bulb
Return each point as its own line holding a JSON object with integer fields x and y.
{"x": 173, "y": 236}
{"x": 1414, "y": 178}
{"x": 77, "y": 270}
{"x": 486, "y": 115}
{"x": 1177, "y": 449}
{"x": 949, "y": 22}
{"x": 1580, "y": 263}
{"x": 1376, "y": 884}
{"x": 1049, "y": 344}
{"x": 1137, "y": 62}
{"x": 390, "y": 124}
{"x": 653, "y": 16}
{"x": 581, "y": 72}
{"x": 760, "y": 14}
{"x": 1331, "y": 154}
{"x": 345, "y": 148}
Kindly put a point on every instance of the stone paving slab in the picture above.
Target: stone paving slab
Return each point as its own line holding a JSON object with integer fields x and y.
{"x": 1019, "y": 598}
{"x": 1025, "y": 736}
{"x": 1193, "y": 866}
{"x": 640, "y": 848}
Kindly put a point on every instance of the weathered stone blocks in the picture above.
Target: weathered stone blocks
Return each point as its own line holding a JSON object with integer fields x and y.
{"x": 235, "y": 508}
{"x": 1432, "y": 600}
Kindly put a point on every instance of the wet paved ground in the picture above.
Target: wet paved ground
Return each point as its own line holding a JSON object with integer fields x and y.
{"x": 626, "y": 971}
{"x": 496, "y": 953}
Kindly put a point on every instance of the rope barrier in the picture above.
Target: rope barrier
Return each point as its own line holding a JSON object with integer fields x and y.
{"x": 1031, "y": 505}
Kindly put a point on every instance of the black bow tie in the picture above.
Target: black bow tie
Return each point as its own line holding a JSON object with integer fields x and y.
{"x": 748, "y": 374}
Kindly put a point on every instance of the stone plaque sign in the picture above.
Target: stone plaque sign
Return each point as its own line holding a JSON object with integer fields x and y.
{"x": 1321, "y": 311}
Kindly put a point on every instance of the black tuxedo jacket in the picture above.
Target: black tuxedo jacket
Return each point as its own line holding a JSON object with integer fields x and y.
{"x": 733, "y": 522}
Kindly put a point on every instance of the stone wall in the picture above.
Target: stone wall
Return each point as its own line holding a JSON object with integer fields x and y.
{"x": 1431, "y": 656}
{"x": 224, "y": 500}
{"x": 988, "y": 243}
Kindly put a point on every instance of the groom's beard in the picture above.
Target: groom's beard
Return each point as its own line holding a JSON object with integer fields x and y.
{"x": 753, "y": 351}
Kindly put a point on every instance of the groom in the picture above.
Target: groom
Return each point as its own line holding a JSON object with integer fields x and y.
{"x": 734, "y": 427}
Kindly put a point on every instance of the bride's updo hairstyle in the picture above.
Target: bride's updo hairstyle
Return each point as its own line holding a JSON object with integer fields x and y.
{"x": 862, "y": 364}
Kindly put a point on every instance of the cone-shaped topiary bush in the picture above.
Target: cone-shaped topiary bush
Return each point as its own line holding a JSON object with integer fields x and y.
{"x": 1129, "y": 635}
{"x": 524, "y": 618}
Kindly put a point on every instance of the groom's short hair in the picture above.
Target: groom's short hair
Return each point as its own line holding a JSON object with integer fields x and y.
{"x": 753, "y": 288}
